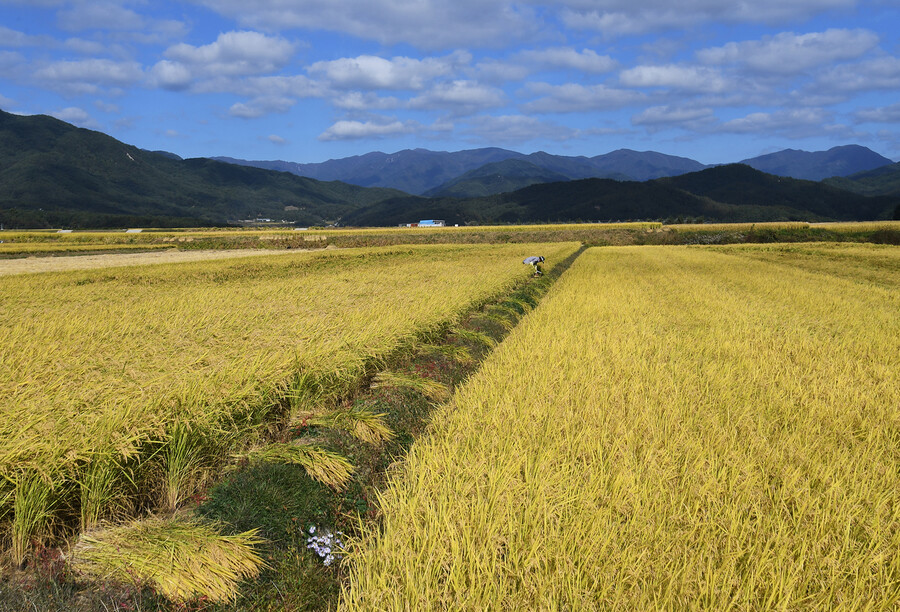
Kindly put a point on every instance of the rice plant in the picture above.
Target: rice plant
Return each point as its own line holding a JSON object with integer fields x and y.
{"x": 671, "y": 428}
{"x": 432, "y": 389}
{"x": 168, "y": 368}
{"x": 360, "y": 422}
{"x": 182, "y": 559}
{"x": 32, "y": 512}
{"x": 322, "y": 465}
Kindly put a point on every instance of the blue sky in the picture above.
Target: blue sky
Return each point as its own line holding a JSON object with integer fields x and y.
{"x": 310, "y": 80}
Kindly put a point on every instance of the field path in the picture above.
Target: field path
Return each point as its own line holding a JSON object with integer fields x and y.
{"x": 30, "y": 265}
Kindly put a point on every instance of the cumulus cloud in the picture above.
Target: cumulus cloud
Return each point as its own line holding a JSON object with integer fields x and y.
{"x": 89, "y": 75}
{"x": 99, "y": 16}
{"x": 234, "y": 54}
{"x": 678, "y": 115}
{"x": 793, "y": 123}
{"x": 426, "y": 24}
{"x": 365, "y": 101}
{"x": 884, "y": 114}
{"x": 372, "y": 72}
{"x": 790, "y": 53}
{"x": 881, "y": 73}
{"x": 573, "y": 97}
{"x": 689, "y": 78}
{"x": 276, "y": 139}
{"x": 76, "y": 116}
{"x": 357, "y": 130}
{"x": 628, "y": 17}
{"x": 460, "y": 96}
{"x": 511, "y": 129}
{"x": 170, "y": 75}
{"x": 261, "y": 106}
{"x": 586, "y": 60}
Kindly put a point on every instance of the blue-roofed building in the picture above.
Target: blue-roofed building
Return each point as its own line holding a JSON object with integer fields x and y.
{"x": 432, "y": 223}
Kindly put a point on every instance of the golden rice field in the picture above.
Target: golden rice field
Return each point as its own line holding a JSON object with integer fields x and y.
{"x": 98, "y": 366}
{"x": 673, "y": 428}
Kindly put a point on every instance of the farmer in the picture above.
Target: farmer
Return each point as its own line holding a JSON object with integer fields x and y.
{"x": 536, "y": 264}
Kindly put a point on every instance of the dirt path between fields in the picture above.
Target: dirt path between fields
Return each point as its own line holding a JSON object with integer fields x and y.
{"x": 31, "y": 265}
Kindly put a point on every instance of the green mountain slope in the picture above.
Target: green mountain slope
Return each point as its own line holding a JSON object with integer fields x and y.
{"x": 741, "y": 185}
{"x": 494, "y": 178}
{"x": 54, "y": 174}
{"x": 881, "y": 181}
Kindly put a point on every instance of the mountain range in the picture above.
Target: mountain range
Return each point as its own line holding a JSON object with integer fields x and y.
{"x": 478, "y": 172}
{"x": 53, "y": 174}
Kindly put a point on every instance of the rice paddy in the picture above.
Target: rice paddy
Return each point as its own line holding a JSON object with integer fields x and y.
{"x": 122, "y": 386}
{"x": 673, "y": 428}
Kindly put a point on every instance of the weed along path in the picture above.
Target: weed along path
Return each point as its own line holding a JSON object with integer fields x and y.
{"x": 124, "y": 390}
{"x": 671, "y": 428}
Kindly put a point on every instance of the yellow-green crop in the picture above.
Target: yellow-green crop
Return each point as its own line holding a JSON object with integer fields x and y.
{"x": 171, "y": 361}
{"x": 673, "y": 428}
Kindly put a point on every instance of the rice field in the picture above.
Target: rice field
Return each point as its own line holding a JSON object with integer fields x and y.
{"x": 108, "y": 376}
{"x": 673, "y": 428}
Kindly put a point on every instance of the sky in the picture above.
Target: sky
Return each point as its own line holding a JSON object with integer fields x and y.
{"x": 311, "y": 80}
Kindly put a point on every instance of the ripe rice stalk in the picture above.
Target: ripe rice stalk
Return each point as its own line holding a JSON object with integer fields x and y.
{"x": 432, "y": 389}
{"x": 475, "y": 337}
{"x": 32, "y": 513}
{"x": 101, "y": 496}
{"x": 184, "y": 464}
{"x": 453, "y": 352}
{"x": 322, "y": 465}
{"x": 180, "y": 558}
{"x": 362, "y": 423}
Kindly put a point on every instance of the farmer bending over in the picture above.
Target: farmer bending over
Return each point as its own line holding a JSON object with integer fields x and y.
{"x": 535, "y": 263}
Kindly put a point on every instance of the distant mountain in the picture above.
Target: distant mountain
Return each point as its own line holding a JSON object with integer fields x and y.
{"x": 815, "y": 166}
{"x": 420, "y": 171}
{"x": 412, "y": 170}
{"x": 496, "y": 177}
{"x": 735, "y": 193}
{"x": 644, "y": 165}
{"x": 54, "y": 174}
{"x": 881, "y": 181}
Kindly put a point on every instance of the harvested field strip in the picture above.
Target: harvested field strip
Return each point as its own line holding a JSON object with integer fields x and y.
{"x": 95, "y": 365}
{"x": 672, "y": 428}
{"x": 33, "y": 265}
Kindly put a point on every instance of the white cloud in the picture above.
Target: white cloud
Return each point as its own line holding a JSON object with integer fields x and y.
{"x": 626, "y": 17}
{"x": 460, "y": 96}
{"x": 426, "y": 24}
{"x": 796, "y": 123}
{"x": 99, "y": 16}
{"x": 261, "y": 106}
{"x": 170, "y": 75}
{"x": 372, "y": 72}
{"x": 75, "y": 115}
{"x": 276, "y": 139}
{"x": 234, "y": 54}
{"x": 106, "y": 107}
{"x": 573, "y": 97}
{"x": 357, "y": 130}
{"x": 89, "y": 75}
{"x": 368, "y": 101}
{"x": 884, "y": 114}
{"x": 511, "y": 129}
{"x": 689, "y": 78}
{"x": 587, "y": 60}
{"x": 882, "y": 73}
{"x": 667, "y": 115}
{"x": 6, "y": 102}
{"x": 789, "y": 53}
